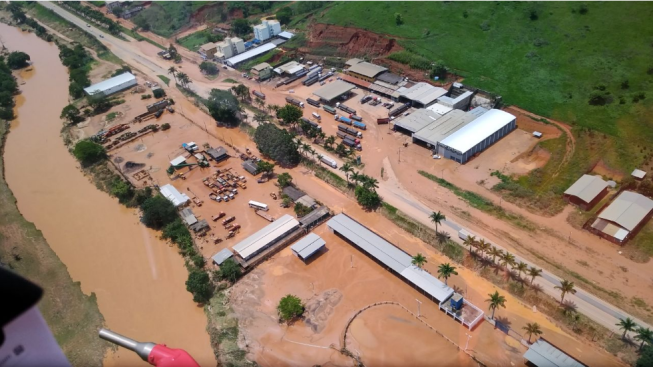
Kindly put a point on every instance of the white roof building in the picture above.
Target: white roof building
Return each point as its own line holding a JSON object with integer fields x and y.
{"x": 179, "y": 160}
{"x": 250, "y": 54}
{"x": 308, "y": 246}
{"x": 423, "y": 94}
{"x": 623, "y": 215}
{"x": 171, "y": 193}
{"x": 639, "y": 174}
{"x": 587, "y": 188}
{"x": 112, "y": 85}
{"x": 266, "y": 237}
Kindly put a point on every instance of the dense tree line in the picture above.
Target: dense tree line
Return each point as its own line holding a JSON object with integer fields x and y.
{"x": 18, "y": 15}
{"x": 277, "y": 144}
{"x": 8, "y": 88}
{"x": 93, "y": 15}
{"x": 223, "y": 107}
{"x": 209, "y": 68}
{"x": 17, "y": 60}
{"x": 76, "y": 59}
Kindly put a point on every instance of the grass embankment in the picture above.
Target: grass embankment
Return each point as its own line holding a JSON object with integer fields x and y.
{"x": 481, "y": 203}
{"x": 137, "y": 36}
{"x": 194, "y": 40}
{"x": 165, "y": 79}
{"x": 73, "y": 317}
{"x": 264, "y": 58}
{"x": 165, "y": 18}
{"x": 576, "y": 58}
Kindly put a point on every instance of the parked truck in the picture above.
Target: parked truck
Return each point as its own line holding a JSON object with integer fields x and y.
{"x": 329, "y": 161}
{"x": 329, "y": 109}
{"x": 312, "y": 123}
{"x": 259, "y": 94}
{"x": 310, "y": 81}
{"x": 357, "y": 118}
{"x": 352, "y": 144}
{"x": 295, "y": 102}
{"x": 350, "y": 131}
{"x": 382, "y": 121}
{"x": 343, "y": 119}
{"x": 313, "y": 102}
{"x": 345, "y": 108}
{"x": 343, "y": 136}
{"x": 399, "y": 110}
{"x": 325, "y": 76}
{"x": 360, "y": 125}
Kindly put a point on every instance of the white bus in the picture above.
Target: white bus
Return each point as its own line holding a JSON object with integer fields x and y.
{"x": 257, "y": 205}
{"x": 329, "y": 161}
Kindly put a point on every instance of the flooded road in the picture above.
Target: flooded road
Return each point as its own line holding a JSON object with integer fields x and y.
{"x": 138, "y": 279}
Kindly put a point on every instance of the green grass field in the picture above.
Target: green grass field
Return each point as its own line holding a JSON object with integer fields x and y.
{"x": 194, "y": 40}
{"x": 551, "y": 65}
{"x": 167, "y": 17}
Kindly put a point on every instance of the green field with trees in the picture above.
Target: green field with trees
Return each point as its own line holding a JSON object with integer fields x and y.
{"x": 194, "y": 40}
{"x": 585, "y": 64}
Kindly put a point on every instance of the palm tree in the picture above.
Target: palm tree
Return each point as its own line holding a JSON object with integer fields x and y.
{"x": 347, "y": 169}
{"x": 644, "y": 336}
{"x": 470, "y": 241}
{"x": 330, "y": 141}
{"x": 507, "y": 259}
{"x": 534, "y": 272}
{"x": 494, "y": 252}
{"x": 183, "y": 79}
{"x": 356, "y": 177}
{"x": 306, "y": 147}
{"x": 445, "y": 271}
{"x": 173, "y": 70}
{"x": 496, "y": 300}
{"x": 483, "y": 246}
{"x": 442, "y": 237}
{"x": 532, "y": 329}
{"x": 565, "y": 287}
{"x": 370, "y": 182}
{"x": 321, "y": 135}
{"x": 419, "y": 260}
{"x": 437, "y": 218}
{"x": 520, "y": 266}
{"x": 626, "y": 325}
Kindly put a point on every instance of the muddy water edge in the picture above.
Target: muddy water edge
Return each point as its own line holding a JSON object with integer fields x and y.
{"x": 138, "y": 279}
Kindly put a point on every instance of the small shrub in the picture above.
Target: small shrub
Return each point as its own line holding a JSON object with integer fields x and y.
{"x": 165, "y": 126}
{"x": 146, "y": 96}
{"x": 290, "y": 307}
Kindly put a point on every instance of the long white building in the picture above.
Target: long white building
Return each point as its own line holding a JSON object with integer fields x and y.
{"x": 266, "y": 237}
{"x": 112, "y": 85}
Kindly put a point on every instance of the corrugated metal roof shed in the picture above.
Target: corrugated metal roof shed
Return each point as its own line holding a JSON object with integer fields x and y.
{"x": 453, "y": 101}
{"x": 423, "y": 93}
{"x": 353, "y": 61}
{"x": 367, "y": 69}
{"x": 638, "y": 173}
{"x": 177, "y": 161}
{"x": 439, "y": 108}
{"x": 314, "y": 216}
{"x": 110, "y": 83}
{"x": 250, "y": 54}
{"x": 268, "y": 234}
{"x": 628, "y": 209}
{"x": 427, "y": 282}
{"x": 390, "y": 78}
{"x": 417, "y": 120}
{"x": 286, "y": 35}
{"x": 478, "y": 130}
{"x": 261, "y": 66}
{"x": 208, "y": 46}
{"x": 334, "y": 90}
{"x": 188, "y": 216}
{"x": 221, "y": 256}
{"x": 447, "y": 125}
{"x": 171, "y": 193}
{"x": 293, "y": 192}
{"x": 544, "y": 354}
{"x": 610, "y": 229}
{"x": 308, "y": 245}
{"x": 587, "y": 188}
{"x": 306, "y": 201}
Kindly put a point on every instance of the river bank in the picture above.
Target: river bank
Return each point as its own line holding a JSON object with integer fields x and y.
{"x": 138, "y": 278}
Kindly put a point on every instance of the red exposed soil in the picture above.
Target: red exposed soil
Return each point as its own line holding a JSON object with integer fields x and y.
{"x": 201, "y": 14}
{"x": 351, "y": 41}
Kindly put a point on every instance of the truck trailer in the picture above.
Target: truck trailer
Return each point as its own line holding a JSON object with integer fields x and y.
{"x": 329, "y": 109}
{"x": 329, "y": 161}
{"x": 346, "y": 109}
{"x": 343, "y": 136}
{"x": 312, "y": 123}
{"x": 259, "y": 94}
{"x": 313, "y": 102}
{"x": 350, "y": 131}
{"x": 399, "y": 110}
{"x": 295, "y": 102}
{"x": 357, "y": 118}
{"x": 343, "y": 119}
{"x": 352, "y": 144}
{"x": 360, "y": 125}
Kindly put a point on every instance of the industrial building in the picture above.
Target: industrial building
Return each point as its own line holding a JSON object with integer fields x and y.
{"x": 218, "y": 154}
{"x": 444, "y": 126}
{"x": 221, "y": 256}
{"x": 266, "y": 237}
{"x": 208, "y": 50}
{"x": 250, "y": 167}
{"x": 623, "y": 218}
{"x": 112, "y": 85}
{"x": 421, "y": 94}
{"x": 364, "y": 70}
{"x": 544, "y": 354}
{"x": 188, "y": 216}
{"x": 314, "y": 218}
{"x": 389, "y": 256}
{"x": 233, "y": 61}
{"x": 262, "y": 71}
{"x": 293, "y": 193}
{"x": 228, "y": 48}
{"x": 289, "y": 68}
{"x": 477, "y": 136}
{"x": 416, "y": 121}
{"x": 308, "y": 246}
{"x": 587, "y": 191}
{"x": 173, "y": 195}
{"x": 458, "y": 97}
{"x": 334, "y": 90}
{"x": 267, "y": 29}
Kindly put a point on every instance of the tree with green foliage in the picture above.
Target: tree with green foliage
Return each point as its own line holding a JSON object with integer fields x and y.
{"x": 277, "y": 144}
{"x": 507, "y": 259}
{"x": 565, "y": 287}
{"x": 533, "y": 273}
{"x": 645, "y": 357}
{"x": 290, "y": 307}
{"x": 241, "y": 91}
{"x": 368, "y": 199}
{"x": 173, "y": 70}
{"x": 445, "y": 271}
{"x": 266, "y": 167}
{"x": 209, "y": 68}
{"x": 347, "y": 169}
{"x": 399, "y": 19}
{"x": 71, "y": 114}
{"x": 289, "y": 114}
{"x": 301, "y": 210}
{"x": 122, "y": 190}
{"x": 419, "y": 260}
{"x": 198, "y": 260}
{"x": 158, "y": 212}
{"x": 175, "y": 231}
{"x": 496, "y": 300}
{"x": 532, "y": 329}
{"x": 99, "y": 103}
{"x": 223, "y": 107}
{"x": 17, "y": 60}
{"x": 199, "y": 285}
{"x": 284, "y": 15}
{"x": 437, "y": 218}
{"x": 644, "y": 336}
{"x": 284, "y": 179}
{"x": 520, "y": 267}
{"x": 241, "y": 27}
{"x": 439, "y": 70}
{"x": 229, "y": 270}
{"x": 89, "y": 153}
{"x": 341, "y": 150}
{"x": 159, "y": 93}
{"x": 627, "y": 325}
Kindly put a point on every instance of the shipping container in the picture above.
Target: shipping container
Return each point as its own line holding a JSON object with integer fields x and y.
{"x": 382, "y": 121}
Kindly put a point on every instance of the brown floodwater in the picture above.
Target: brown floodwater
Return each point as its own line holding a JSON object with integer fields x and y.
{"x": 138, "y": 279}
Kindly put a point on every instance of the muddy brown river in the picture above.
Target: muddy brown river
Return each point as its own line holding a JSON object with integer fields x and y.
{"x": 138, "y": 279}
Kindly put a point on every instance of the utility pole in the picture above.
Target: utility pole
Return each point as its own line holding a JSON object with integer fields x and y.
{"x": 467, "y": 344}
{"x": 351, "y": 260}
{"x": 418, "y": 307}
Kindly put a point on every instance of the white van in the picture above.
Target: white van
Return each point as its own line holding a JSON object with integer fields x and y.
{"x": 329, "y": 161}
{"x": 258, "y": 206}
{"x": 317, "y": 116}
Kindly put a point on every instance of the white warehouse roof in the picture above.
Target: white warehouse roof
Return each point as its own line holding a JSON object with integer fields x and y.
{"x": 285, "y": 34}
{"x": 266, "y": 235}
{"x": 476, "y": 131}
{"x": 628, "y": 209}
{"x": 110, "y": 83}
{"x": 308, "y": 245}
{"x": 427, "y": 282}
{"x": 587, "y": 188}
{"x": 250, "y": 54}
{"x": 171, "y": 193}
{"x": 423, "y": 93}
